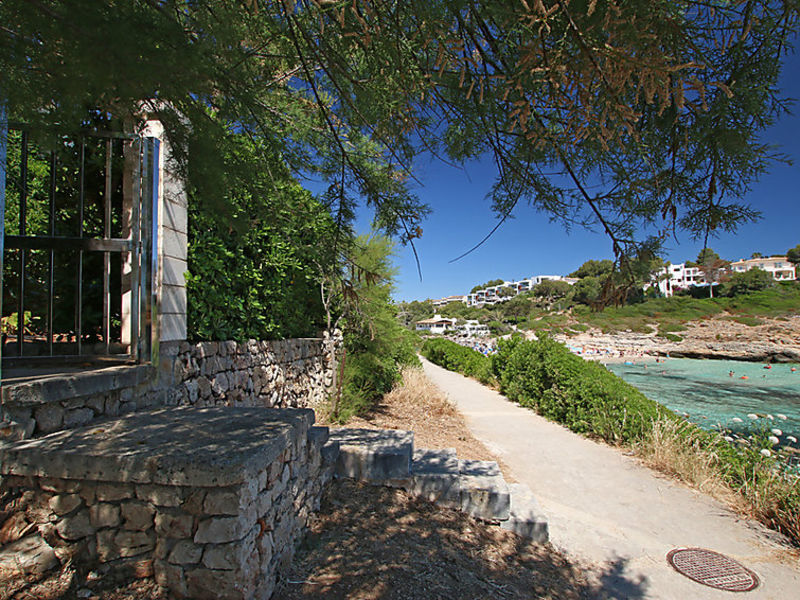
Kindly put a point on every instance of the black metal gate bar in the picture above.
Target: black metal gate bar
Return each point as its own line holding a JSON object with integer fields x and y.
{"x": 106, "y": 255}
{"x": 51, "y": 259}
{"x": 141, "y": 244}
{"x": 79, "y": 280}
{"x": 23, "y": 215}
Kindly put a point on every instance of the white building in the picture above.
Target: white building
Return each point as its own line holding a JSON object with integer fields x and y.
{"x": 778, "y": 266}
{"x": 438, "y": 324}
{"x": 448, "y": 299}
{"x": 492, "y": 295}
{"x": 681, "y": 277}
{"x": 678, "y": 277}
{"x": 473, "y": 329}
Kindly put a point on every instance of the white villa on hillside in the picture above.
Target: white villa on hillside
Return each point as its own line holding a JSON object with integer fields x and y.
{"x": 778, "y": 266}
{"x": 437, "y": 324}
{"x": 448, "y": 299}
{"x": 472, "y": 328}
{"x": 493, "y": 295}
{"x": 681, "y": 277}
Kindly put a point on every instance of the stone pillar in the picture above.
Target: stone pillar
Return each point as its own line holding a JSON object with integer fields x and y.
{"x": 172, "y": 228}
{"x": 172, "y": 241}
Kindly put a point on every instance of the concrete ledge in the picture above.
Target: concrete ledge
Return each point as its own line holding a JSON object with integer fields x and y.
{"x": 373, "y": 454}
{"x": 180, "y": 446}
{"x": 66, "y": 387}
{"x": 434, "y": 461}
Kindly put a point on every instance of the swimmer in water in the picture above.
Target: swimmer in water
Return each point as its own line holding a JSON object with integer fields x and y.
{"x": 730, "y": 373}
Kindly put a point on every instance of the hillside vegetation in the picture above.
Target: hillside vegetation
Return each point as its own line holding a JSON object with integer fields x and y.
{"x": 667, "y": 315}
{"x": 664, "y": 316}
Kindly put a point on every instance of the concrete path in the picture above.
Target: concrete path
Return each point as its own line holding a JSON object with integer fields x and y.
{"x": 603, "y": 506}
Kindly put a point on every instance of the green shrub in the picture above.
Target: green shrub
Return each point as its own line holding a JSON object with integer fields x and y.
{"x": 376, "y": 345}
{"x": 254, "y": 254}
{"x": 747, "y": 282}
{"x": 671, "y": 337}
{"x": 584, "y": 396}
{"x": 455, "y": 357}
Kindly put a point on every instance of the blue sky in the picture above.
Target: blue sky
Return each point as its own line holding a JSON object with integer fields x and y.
{"x": 531, "y": 245}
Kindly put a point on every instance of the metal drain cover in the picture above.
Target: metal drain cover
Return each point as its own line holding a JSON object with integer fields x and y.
{"x": 712, "y": 569}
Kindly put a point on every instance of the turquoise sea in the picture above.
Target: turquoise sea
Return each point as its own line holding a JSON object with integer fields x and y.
{"x": 712, "y": 398}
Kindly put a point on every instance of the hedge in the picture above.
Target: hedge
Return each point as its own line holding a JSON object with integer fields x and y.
{"x": 545, "y": 376}
{"x": 455, "y": 357}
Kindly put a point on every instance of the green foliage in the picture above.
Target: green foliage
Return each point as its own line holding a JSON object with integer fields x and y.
{"x": 793, "y": 255}
{"x": 670, "y": 337}
{"x": 516, "y": 309}
{"x": 594, "y": 268}
{"x": 587, "y": 290}
{"x": 352, "y": 94}
{"x": 410, "y": 312}
{"x": 254, "y": 273}
{"x": 376, "y": 345}
{"x": 459, "y": 310}
{"x": 551, "y": 289}
{"x": 455, "y": 357}
{"x": 670, "y": 314}
{"x": 490, "y": 283}
{"x": 545, "y": 376}
{"x": 749, "y": 321}
{"x": 707, "y": 256}
{"x": 747, "y": 282}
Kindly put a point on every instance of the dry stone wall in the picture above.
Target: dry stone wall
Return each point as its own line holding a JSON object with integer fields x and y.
{"x": 276, "y": 374}
{"x": 205, "y": 526}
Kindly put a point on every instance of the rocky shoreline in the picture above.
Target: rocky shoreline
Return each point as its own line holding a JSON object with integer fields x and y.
{"x": 773, "y": 341}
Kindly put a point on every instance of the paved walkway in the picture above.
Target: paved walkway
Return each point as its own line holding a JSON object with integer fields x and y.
{"x": 605, "y": 507}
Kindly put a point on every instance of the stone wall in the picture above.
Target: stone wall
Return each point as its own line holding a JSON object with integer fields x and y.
{"x": 142, "y": 496}
{"x": 278, "y": 374}
{"x": 285, "y": 373}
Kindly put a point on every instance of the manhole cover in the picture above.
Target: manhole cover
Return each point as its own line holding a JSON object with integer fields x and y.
{"x": 712, "y": 569}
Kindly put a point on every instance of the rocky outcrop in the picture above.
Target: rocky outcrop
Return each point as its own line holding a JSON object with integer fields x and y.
{"x": 771, "y": 340}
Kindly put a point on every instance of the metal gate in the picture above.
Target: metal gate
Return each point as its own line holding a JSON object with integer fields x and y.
{"x": 79, "y": 255}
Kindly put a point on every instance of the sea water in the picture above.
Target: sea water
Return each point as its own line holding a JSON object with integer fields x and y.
{"x": 712, "y": 397}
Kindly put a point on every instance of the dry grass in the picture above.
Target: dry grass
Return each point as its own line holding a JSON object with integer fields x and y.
{"x": 768, "y": 495}
{"x": 670, "y": 448}
{"x": 418, "y": 405}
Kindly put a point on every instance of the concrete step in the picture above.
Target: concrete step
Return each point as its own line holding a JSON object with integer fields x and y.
{"x": 482, "y": 468}
{"x": 485, "y": 497}
{"x": 372, "y": 454}
{"x": 526, "y": 518}
{"x": 434, "y": 461}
